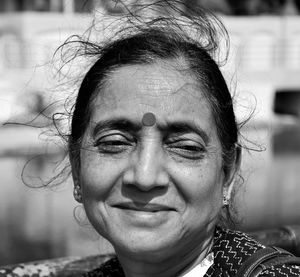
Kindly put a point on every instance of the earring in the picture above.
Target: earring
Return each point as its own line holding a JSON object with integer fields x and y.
{"x": 225, "y": 200}
{"x": 77, "y": 193}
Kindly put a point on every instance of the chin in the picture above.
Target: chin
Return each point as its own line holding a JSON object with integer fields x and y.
{"x": 148, "y": 244}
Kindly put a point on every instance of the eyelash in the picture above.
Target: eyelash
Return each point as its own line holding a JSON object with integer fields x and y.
{"x": 187, "y": 150}
{"x": 110, "y": 145}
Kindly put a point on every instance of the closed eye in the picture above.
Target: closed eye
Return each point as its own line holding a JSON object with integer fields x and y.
{"x": 188, "y": 149}
{"x": 113, "y": 143}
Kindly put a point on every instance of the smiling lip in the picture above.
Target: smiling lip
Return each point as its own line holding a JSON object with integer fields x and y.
{"x": 143, "y": 207}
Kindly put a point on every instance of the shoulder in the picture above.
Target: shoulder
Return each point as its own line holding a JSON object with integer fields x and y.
{"x": 235, "y": 243}
{"x": 111, "y": 268}
{"x": 231, "y": 249}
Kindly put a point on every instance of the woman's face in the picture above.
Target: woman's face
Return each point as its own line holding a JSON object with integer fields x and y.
{"x": 152, "y": 189}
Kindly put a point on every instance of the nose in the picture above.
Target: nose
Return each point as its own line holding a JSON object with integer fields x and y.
{"x": 147, "y": 170}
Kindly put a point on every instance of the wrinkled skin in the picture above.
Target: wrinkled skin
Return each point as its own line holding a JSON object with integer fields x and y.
{"x": 155, "y": 192}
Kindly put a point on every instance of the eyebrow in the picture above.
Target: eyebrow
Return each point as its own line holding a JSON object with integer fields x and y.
{"x": 126, "y": 125}
{"x": 181, "y": 127}
{"x": 122, "y": 124}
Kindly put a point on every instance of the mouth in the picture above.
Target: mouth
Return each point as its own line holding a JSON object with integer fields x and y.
{"x": 139, "y": 207}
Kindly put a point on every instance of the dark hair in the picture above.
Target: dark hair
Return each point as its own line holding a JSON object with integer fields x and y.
{"x": 163, "y": 38}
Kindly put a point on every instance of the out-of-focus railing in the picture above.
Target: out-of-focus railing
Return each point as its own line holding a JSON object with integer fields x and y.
{"x": 259, "y": 43}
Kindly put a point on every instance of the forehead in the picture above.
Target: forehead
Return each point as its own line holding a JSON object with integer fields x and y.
{"x": 166, "y": 89}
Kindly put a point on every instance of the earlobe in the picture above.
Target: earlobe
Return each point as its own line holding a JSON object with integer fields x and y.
{"x": 77, "y": 193}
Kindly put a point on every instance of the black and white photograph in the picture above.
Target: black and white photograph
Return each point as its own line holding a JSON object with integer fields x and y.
{"x": 149, "y": 138}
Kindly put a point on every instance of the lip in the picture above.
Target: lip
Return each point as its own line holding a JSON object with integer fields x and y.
{"x": 141, "y": 207}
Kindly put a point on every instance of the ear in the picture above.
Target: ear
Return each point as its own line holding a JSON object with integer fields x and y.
{"x": 230, "y": 175}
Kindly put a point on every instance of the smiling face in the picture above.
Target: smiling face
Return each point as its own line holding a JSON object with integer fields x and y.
{"x": 152, "y": 190}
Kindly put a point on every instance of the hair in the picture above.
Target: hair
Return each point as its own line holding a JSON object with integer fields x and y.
{"x": 194, "y": 37}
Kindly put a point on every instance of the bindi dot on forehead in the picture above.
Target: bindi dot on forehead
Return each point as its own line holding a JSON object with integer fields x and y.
{"x": 148, "y": 119}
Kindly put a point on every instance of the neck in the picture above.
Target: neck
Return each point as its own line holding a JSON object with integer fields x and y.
{"x": 155, "y": 266}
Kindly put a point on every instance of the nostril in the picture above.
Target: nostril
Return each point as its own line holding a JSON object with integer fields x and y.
{"x": 147, "y": 184}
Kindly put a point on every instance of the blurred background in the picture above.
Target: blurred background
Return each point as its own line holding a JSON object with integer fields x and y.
{"x": 263, "y": 71}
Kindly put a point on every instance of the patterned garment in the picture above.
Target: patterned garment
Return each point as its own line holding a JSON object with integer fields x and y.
{"x": 231, "y": 249}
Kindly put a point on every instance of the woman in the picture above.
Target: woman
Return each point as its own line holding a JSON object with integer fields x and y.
{"x": 154, "y": 151}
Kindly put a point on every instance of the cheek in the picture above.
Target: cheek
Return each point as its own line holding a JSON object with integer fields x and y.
{"x": 97, "y": 177}
{"x": 201, "y": 187}
{"x": 205, "y": 191}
